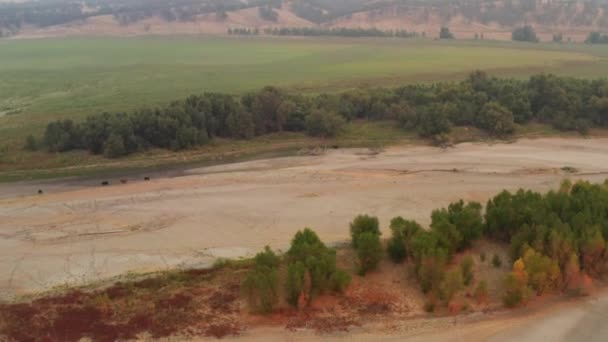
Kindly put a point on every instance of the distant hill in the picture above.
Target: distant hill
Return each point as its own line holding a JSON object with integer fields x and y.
{"x": 465, "y": 18}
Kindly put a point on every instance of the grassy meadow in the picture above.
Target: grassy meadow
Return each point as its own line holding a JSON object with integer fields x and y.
{"x": 47, "y": 79}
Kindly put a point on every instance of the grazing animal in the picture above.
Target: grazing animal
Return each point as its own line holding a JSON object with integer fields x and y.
{"x": 39, "y": 192}
{"x": 105, "y": 183}
{"x": 123, "y": 181}
{"x": 146, "y": 178}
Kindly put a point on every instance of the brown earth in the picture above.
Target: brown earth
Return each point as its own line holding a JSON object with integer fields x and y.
{"x": 419, "y": 19}
{"x": 76, "y": 234}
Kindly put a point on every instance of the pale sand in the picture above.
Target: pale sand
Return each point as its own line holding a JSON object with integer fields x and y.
{"x": 75, "y": 235}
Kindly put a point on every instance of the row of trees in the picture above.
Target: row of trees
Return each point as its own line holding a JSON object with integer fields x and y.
{"x": 339, "y": 32}
{"x": 189, "y": 123}
{"x": 557, "y": 240}
{"x": 597, "y": 38}
{"x": 491, "y": 104}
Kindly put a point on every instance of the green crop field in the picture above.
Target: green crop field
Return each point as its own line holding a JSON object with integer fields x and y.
{"x": 46, "y": 79}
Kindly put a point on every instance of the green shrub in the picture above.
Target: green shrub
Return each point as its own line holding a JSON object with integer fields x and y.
{"x": 340, "y": 281}
{"x": 294, "y": 285}
{"x": 406, "y": 228}
{"x": 481, "y": 292}
{"x": 362, "y": 224}
{"x": 466, "y": 267}
{"x": 450, "y": 285}
{"x": 322, "y": 123}
{"x": 369, "y": 251}
{"x": 114, "y": 147}
{"x": 267, "y": 258}
{"x": 261, "y": 285}
{"x": 31, "y": 144}
{"x": 496, "y": 261}
{"x": 311, "y": 268}
{"x": 460, "y": 224}
{"x": 396, "y": 248}
{"x": 430, "y": 274}
{"x": 516, "y": 293}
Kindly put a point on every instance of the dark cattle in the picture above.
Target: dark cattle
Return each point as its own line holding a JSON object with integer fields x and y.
{"x": 146, "y": 178}
{"x": 39, "y": 192}
{"x": 105, "y": 183}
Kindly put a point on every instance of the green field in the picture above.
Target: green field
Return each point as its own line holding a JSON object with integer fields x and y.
{"x": 43, "y": 80}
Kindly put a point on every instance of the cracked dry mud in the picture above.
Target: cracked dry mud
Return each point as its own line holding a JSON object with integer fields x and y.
{"x": 79, "y": 234}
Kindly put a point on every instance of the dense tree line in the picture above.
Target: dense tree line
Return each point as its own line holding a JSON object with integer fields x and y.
{"x": 243, "y": 31}
{"x": 492, "y": 104}
{"x": 444, "y": 33}
{"x": 597, "y": 38}
{"x": 14, "y": 15}
{"x": 556, "y": 240}
{"x": 338, "y": 32}
{"x": 525, "y": 34}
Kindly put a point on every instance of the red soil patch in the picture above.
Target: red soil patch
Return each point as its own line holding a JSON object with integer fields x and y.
{"x": 162, "y": 306}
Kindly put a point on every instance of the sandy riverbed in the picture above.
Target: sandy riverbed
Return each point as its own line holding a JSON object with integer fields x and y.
{"x": 79, "y": 234}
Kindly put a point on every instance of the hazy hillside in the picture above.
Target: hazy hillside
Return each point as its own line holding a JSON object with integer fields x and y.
{"x": 466, "y": 18}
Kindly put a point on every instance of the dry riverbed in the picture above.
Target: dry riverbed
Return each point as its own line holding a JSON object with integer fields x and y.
{"x": 80, "y": 234}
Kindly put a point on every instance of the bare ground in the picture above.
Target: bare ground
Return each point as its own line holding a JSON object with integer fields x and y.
{"x": 77, "y": 235}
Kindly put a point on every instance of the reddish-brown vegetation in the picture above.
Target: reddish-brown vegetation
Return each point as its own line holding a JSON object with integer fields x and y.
{"x": 179, "y": 303}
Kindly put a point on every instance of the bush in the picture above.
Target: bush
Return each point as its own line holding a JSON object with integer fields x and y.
{"x": 325, "y": 124}
{"x": 311, "y": 268}
{"x": 525, "y": 34}
{"x": 482, "y": 256}
{"x": 466, "y": 267}
{"x": 460, "y": 224}
{"x": 261, "y": 286}
{"x": 515, "y": 292}
{"x": 430, "y": 274}
{"x": 294, "y": 285}
{"x": 395, "y": 248}
{"x": 31, "y": 144}
{"x": 362, "y": 224}
{"x": 434, "y": 121}
{"x": 450, "y": 285}
{"x": 114, "y": 147}
{"x": 340, "y": 281}
{"x": 496, "y": 261}
{"x": 543, "y": 273}
{"x": 496, "y": 119}
{"x": 445, "y": 33}
{"x": 516, "y": 286}
{"x": 369, "y": 251}
{"x": 481, "y": 292}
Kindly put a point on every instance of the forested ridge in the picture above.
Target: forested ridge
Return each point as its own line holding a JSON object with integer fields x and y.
{"x": 494, "y": 105}
{"x": 15, "y": 15}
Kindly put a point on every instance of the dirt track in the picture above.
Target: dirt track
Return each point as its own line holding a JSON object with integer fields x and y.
{"x": 78, "y": 235}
